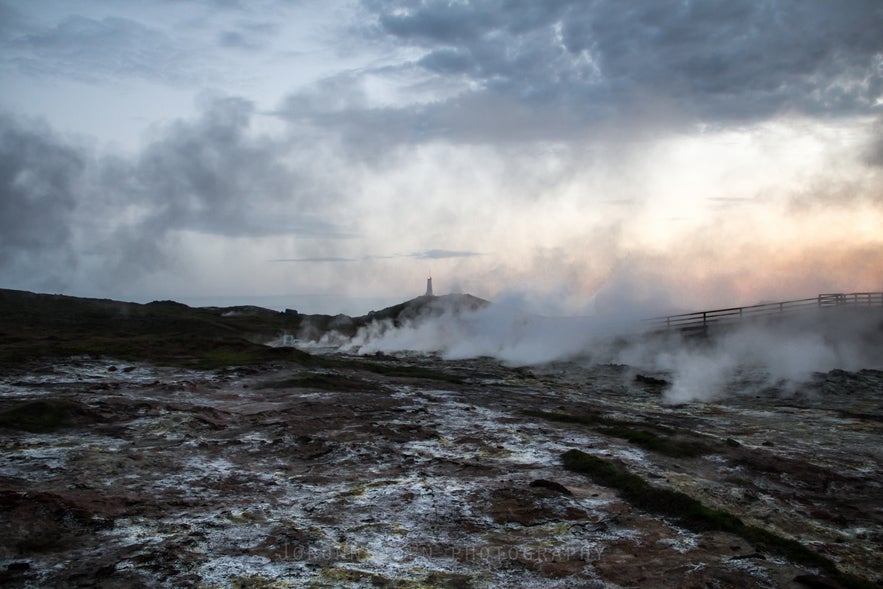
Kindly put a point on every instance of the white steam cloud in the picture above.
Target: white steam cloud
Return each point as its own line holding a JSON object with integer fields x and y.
{"x": 743, "y": 358}
{"x": 781, "y": 353}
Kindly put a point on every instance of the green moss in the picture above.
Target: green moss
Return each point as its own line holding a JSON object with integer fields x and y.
{"x": 449, "y": 581}
{"x": 246, "y": 516}
{"x": 40, "y": 416}
{"x": 187, "y": 350}
{"x": 655, "y": 443}
{"x": 48, "y": 326}
{"x": 694, "y": 515}
{"x": 396, "y": 370}
{"x": 659, "y": 440}
{"x": 595, "y": 419}
{"x": 333, "y": 577}
{"x": 321, "y": 381}
{"x": 259, "y": 582}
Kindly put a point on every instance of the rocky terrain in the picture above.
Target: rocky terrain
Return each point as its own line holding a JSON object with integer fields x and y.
{"x": 219, "y": 466}
{"x": 414, "y": 472}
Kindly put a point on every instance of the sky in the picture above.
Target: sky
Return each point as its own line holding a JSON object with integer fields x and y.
{"x": 579, "y": 156}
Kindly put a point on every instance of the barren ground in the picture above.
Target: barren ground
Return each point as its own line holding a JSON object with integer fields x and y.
{"x": 124, "y": 475}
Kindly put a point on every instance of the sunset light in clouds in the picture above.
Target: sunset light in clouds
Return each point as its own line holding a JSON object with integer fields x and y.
{"x": 578, "y": 156}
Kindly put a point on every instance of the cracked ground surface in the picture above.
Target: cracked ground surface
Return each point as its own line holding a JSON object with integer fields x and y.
{"x": 291, "y": 476}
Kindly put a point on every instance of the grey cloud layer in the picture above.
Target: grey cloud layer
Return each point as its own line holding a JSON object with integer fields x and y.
{"x": 95, "y": 50}
{"x": 248, "y": 35}
{"x": 561, "y": 70}
{"x": 443, "y": 254}
{"x": 435, "y": 254}
{"x": 38, "y": 183}
{"x": 716, "y": 59}
{"x": 208, "y": 175}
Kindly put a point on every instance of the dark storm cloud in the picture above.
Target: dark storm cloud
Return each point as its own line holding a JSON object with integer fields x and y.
{"x": 39, "y": 177}
{"x": 208, "y": 175}
{"x": 566, "y": 70}
{"x": 368, "y": 133}
{"x": 11, "y": 22}
{"x": 211, "y": 175}
{"x": 715, "y": 60}
{"x": 740, "y": 59}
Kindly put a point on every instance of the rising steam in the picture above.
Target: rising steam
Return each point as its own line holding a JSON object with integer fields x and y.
{"x": 780, "y": 352}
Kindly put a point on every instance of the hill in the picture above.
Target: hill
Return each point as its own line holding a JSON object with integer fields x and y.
{"x": 38, "y": 325}
{"x": 313, "y": 327}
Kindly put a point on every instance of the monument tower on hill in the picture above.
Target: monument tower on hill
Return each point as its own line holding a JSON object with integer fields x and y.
{"x": 429, "y": 287}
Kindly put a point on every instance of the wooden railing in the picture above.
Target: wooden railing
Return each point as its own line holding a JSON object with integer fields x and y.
{"x": 702, "y": 319}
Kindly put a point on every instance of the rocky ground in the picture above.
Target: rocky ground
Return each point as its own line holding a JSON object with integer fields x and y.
{"x": 415, "y": 472}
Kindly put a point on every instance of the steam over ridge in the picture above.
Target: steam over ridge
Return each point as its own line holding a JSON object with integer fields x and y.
{"x": 779, "y": 351}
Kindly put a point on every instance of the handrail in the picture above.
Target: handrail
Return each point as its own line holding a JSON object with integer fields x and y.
{"x": 704, "y": 318}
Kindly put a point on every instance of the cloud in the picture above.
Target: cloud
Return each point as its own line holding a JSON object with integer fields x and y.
{"x": 599, "y": 61}
{"x": 236, "y": 40}
{"x": 98, "y": 50}
{"x": 317, "y": 260}
{"x": 212, "y": 175}
{"x": 503, "y": 72}
{"x": 11, "y": 22}
{"x": 442, "y": 254}
{"x": 435, "y": 254}
{"x": 781, "y": 352}
{"x": 874, "y": 151}
{"x": 247, "y": 35}
{"x": 560, "y": 138}
{"x": 777, "y": 354}
{"x": 39, "y": 180}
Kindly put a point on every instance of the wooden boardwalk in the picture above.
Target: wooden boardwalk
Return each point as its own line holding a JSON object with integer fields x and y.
{"x": 703, "y": 319}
